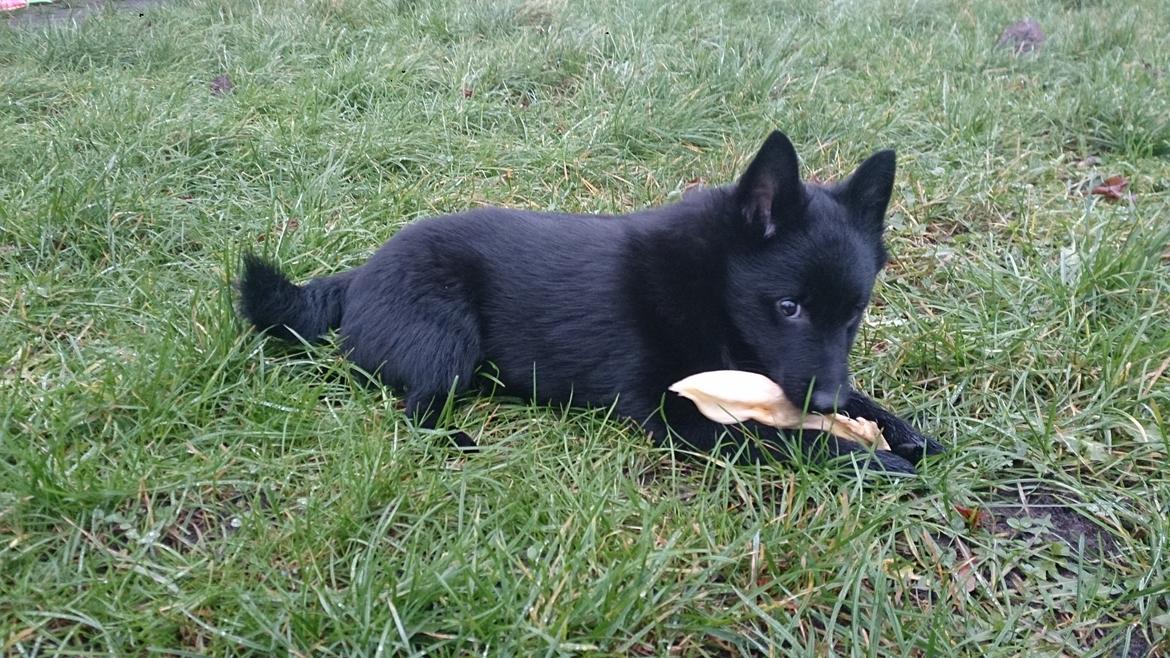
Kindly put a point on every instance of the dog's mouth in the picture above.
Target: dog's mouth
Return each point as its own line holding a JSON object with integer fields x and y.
{"x": 809, "y": 398}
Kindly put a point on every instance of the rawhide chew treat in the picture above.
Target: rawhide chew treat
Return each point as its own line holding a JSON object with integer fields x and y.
{"x": 733, "y": 396}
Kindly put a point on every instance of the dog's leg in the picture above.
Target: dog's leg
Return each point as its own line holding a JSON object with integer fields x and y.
{"x": 904, "y": 440}
{"x": 426, "y": 408}
{"x": 762, "y": 443}
{"x": 430, "y": 351}
{"x": 827, "y": 447}
{"x": 441, "y": 365}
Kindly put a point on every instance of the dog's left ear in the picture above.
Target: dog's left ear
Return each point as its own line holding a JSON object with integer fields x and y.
{"x": 867, "y": 192}
{"x": 770, "y": 192}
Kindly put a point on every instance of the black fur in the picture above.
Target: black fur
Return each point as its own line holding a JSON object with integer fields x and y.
{"x": 288, "y": 311}
{"x": 601, "y": 310}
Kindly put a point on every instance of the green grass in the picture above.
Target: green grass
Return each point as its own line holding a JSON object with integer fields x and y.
{"x": 171, "y": 483}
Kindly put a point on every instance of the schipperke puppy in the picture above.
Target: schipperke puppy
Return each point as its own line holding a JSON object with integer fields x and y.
{"x": 768, "y": 274}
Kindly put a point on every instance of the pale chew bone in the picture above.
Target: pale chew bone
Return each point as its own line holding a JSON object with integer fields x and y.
{"x": 733, "y": 396}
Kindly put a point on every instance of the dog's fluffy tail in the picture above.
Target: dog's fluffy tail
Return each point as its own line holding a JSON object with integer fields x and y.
{"x": 277, "y": 306}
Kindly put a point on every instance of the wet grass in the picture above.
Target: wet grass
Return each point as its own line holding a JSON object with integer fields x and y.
{"x": 171, "y": 483}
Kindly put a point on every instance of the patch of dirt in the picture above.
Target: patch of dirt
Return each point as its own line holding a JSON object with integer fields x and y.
{"x": 1067, "y": 524}
{"x": 197, "y": 524}
{"x": 1139, "y": 647}
{"x": 194, "y": 526}
{"x": 1035, "y": 514}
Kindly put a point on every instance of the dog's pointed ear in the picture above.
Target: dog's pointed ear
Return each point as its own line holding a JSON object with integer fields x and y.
{"x": 770, "y": 192}
{"x": 867, "y": 191}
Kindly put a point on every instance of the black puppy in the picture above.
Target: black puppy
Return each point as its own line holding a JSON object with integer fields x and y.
{"x": 769, "y": 275}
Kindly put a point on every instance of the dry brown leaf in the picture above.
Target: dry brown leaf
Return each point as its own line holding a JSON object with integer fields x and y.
{"x": 974, "y": 516}
{"x": 1112, "y": 188}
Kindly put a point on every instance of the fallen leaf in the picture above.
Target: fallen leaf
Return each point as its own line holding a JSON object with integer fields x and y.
{"x": 964, "y": 571}
{"x": 222, "y": 85}
{"x": 1152, "y": 378}
{"x": 1085, "y": 448}
{"x": 974, "y": 516}
{"x": 693, "y": 186}
{"x": 758, "y": 579}
{"x": 31, "y": 630}
{"x": 1022, "y": 37}
{"x": 1112, "y": 188}
{"x": 1070, "y": 265}
{"x": 964, "y": 575}
{"x": 905, "y": 572}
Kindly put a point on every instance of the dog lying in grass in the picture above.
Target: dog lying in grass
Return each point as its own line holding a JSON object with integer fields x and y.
{"x": 768, "y": 274}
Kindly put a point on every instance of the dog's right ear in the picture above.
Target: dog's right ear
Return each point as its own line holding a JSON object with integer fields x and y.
{"x": 770, "y": 192}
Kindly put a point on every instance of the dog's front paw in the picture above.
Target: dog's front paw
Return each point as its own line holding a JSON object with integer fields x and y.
{"x": 463, "y": 441}
{"x": 866, "y": 460}
{"x": 915, "y": 446}
{"x": 887, "y": 463}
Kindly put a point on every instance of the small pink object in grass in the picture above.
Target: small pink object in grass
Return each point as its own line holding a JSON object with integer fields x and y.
{"x": 8, "y": 5}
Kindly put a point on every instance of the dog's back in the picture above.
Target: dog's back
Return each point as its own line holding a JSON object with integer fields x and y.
{"x": 574, "y": 303}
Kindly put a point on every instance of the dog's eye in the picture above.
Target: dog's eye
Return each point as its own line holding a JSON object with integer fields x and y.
{"x": 788, "y": 308}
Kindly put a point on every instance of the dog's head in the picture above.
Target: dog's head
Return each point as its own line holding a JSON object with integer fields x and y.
{"x": 801, "y": 277}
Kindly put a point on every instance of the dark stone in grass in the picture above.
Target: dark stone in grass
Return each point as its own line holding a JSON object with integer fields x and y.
{"x": 222, "y": 85}
{"x": 1022, "y": 37}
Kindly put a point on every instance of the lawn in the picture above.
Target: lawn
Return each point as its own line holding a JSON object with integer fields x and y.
{"x": 171, "y": 483}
